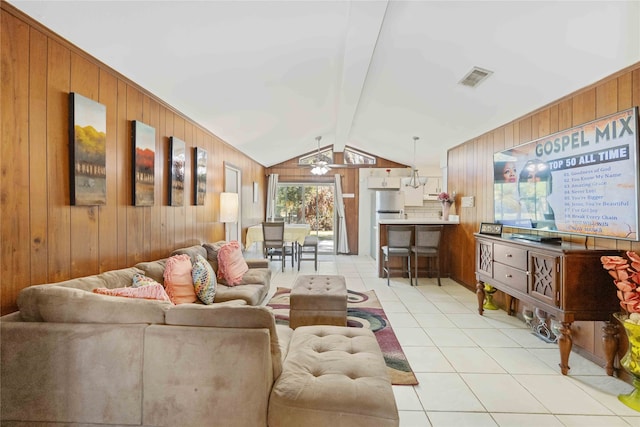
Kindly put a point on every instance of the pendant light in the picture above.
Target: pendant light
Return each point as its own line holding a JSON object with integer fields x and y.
{"x": 320, "y": 167}
{"x": 415, "y": 181}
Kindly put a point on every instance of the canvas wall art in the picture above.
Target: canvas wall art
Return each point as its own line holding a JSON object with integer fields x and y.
{"x": 200, "y": 174}
{"x": 87, "y": 151}
{"x": 177, "y": 163}
{"x": 144, "y": 155}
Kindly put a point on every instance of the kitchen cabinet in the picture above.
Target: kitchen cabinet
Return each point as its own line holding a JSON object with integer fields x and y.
{"x": 433, "y": 186}
{"x": 565, "y": 280}
{"x": 383, "y": 182}
{"x": 413, "y": 196}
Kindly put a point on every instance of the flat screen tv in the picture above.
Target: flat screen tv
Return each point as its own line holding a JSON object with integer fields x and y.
{"x": 583, "y": 180}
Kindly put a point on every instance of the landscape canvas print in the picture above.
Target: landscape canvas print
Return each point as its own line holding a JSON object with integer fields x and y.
{"x": 87, "y": 151}
{"x": 177, "y": 163}
{"x": 200, "y": 174}
{"x": 144, "y": 154}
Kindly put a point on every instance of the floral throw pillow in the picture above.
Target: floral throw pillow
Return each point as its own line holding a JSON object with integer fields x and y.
{"x": 140, "y": 280}
{"x": 231, "y": 263}
{"x": 178, "y": 281}
{"x": 204, "y": 280}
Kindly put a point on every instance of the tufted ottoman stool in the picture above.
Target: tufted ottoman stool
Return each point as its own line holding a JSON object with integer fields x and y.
{"x": 333, "y": 376}
{"x": 318, "y": 300}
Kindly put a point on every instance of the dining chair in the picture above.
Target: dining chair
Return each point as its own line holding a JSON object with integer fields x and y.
{"x": 427, "y": 245}
{"x": 274, "y": 244}
{"x": 309, "y": 247}
{"x": 398, "y": 245}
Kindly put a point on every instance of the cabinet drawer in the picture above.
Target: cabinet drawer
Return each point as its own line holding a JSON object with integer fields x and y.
{"x": 511, "y": 256}
{"x": 512, "y": 277}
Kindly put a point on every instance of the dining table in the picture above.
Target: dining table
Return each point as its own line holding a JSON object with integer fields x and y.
{"x": 292, "y": 233}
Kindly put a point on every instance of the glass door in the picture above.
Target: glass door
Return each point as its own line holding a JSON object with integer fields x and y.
{"x": 309, "y": 203}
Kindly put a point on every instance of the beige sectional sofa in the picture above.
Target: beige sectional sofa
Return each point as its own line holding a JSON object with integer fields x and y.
{"x": 73, "y": 357}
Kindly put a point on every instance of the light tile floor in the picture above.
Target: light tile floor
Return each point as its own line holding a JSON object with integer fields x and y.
{"x": 473, "y": 370}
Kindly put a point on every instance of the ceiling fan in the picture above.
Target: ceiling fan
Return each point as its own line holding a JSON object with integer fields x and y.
{"x": 319, "y": 165}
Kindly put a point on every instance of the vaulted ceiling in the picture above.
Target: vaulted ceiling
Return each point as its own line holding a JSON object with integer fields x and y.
{"x": 269, "y": 76}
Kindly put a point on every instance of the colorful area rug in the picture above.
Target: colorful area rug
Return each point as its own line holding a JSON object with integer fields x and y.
{"x": 363, "y": 311}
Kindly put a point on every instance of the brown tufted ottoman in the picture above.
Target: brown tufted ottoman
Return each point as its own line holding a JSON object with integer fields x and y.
{"x": 318, "y": 300}
{"x": 333, "y": 376}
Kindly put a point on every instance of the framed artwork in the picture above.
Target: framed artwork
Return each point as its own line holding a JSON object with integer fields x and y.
{"x": 255, "y": 192}
{"x": 87, "y": 151}
{"x": 200, "y": 174}
{"x": 490, "y": 228}
{"x": 144, "y": 155}
{"x": 177, "y": 163}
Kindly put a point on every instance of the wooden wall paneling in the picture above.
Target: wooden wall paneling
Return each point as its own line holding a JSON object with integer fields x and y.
{"x": 59, "y": 218}
{"x": 625, "y": 92}
{"x": 14, "y": 161}
{"x": 108, "y": 217}
{"x": 37, "y": 156}
{"x": 162, "y": 176}
{"x": 554, "y": 118}
{"x": 524, "y": 134}
{"x": 84, "y": 80}
{"x": 584, "y": 107}
{"x": 171, "y": 216}
{"x": 154, "y": 250}
{"x": 189, "y": 209}
{"x": 606, "y": 98}
{"x": 123, "y": 188}
{"x": 509, "y": 138}
{"x": 135, "y": 214}
{"x": 144, "y": 213}
{"x": 179, "y": 211}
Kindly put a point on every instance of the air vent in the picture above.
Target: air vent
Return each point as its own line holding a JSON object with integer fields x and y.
{"x": 476, "y": 76}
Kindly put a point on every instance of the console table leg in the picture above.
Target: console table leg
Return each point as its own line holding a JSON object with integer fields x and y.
{"x": 565, "y": 342}
{"x": 480, "y": 295}
{"x": 610, "y": 340}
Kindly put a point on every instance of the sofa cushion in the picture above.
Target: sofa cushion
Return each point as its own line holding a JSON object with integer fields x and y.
{"x": 230, "y": 316}
{"x": 204, "y": 280}
{"x": 119, "y": 278}
{"x": 212, "y": 252}
{"x": 192, "y": 251}
{"x": 151, "y": 291}
{"x": 252, "y": 294}
{"x": 153, "y": 269}
{"x": 231, "y": 263}
{"x": 178, "y": 281}
{"x": 55, "y": 303}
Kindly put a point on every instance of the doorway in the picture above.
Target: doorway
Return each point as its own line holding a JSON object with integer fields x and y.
{"x": 233, "y": 184}
{"x": 312, "y": 204}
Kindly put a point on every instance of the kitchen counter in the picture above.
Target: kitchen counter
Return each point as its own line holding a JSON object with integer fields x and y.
{"x": 418, "y": 221}
{"x": 381, "y": 240}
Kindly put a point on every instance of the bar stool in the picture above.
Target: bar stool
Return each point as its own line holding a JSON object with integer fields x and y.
{"x": 398, "y": 245}
{"x": 427, "y": 244}
{"x": 311, "y": 246}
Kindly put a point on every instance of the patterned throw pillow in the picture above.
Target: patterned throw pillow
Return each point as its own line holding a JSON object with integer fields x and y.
{"x": 231, "y": 263}
{"x": 178, "y": 281}
{"x": 204, "y": 280}
{"x": 140, "y": 280}
{"x": 155, "y": 292}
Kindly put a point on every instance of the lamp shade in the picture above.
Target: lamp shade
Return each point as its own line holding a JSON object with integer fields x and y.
{"x": 228, "y": 207}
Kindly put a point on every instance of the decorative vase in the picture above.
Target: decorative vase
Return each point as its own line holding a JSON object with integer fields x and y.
{"x": 631, "y": 361}
{"x": 488, "y": 298}
{"x": 445, "y": 211}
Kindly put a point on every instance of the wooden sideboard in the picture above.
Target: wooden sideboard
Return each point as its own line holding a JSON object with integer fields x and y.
{"x": 564, "y": 280}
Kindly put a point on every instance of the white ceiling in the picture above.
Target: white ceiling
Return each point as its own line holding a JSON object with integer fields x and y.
{"x": 269, "y": 76}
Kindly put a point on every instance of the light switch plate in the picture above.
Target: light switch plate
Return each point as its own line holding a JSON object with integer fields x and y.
{"x": 468, "y": 201}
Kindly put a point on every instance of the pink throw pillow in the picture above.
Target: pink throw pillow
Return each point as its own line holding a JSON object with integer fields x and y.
{"x": 231, "y": 263}
{"x": 178, "y": 281}
{"x": 156, "y": 292}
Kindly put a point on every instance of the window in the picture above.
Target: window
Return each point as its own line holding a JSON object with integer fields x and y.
{"x": 353, "y": 157}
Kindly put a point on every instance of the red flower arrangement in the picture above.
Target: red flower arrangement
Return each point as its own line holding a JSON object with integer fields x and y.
{"x": 626, "y": 277}
{"x": 445, "y": 197}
